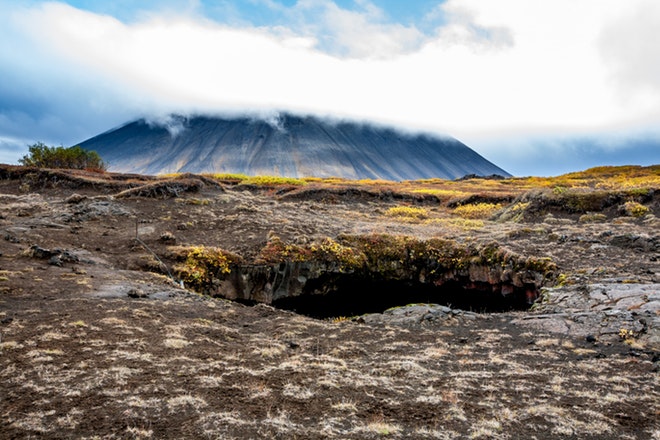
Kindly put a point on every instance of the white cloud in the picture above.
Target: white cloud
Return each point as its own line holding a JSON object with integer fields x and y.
{"x": 631, "y": 51}
{"x": 493, "y": 69}
{"x": 361, "y": 34}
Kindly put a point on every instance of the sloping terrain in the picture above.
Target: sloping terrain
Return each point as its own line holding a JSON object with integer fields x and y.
{"x": 97, "y": 341}
{"x": 294, "y": 147}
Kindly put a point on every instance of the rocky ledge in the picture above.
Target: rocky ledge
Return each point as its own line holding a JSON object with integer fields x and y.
{"x": 602, "y": 311}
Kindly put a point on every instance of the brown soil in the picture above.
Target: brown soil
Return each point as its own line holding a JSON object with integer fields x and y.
{"x": 94, "y": 346}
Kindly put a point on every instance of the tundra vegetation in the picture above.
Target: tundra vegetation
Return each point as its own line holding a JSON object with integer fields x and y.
{"x": 99, "y": 340}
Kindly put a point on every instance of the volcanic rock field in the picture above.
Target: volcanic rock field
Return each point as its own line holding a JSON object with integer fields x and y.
{"x": 236, "y": 307}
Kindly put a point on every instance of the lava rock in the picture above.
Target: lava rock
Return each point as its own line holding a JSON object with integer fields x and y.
{"x": 137, "y": 293}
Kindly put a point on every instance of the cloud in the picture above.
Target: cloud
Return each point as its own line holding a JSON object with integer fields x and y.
{"x": 487, "y": 70}
{"x": 174, "y": 124}
{"x": 630, "y": 49}
{"x": 363, "y": 33}
{"x": 551, "y": 156}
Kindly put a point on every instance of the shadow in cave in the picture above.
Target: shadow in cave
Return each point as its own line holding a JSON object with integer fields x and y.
{"x": 352, "y": 298}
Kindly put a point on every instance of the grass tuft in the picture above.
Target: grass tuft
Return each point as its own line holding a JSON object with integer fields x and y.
{"x": 410, "y": 212}
{"x": 477, "y": 211}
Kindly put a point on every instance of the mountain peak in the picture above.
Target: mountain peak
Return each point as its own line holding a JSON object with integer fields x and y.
{"x": 284, "y": 145}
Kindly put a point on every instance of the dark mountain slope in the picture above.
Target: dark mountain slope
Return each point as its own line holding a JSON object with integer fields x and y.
{"x": 294, "y": 147}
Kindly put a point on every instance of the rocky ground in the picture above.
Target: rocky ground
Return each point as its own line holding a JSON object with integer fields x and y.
{"x": 95, "y": 344}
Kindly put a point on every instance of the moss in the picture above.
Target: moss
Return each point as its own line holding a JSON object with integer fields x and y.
{"x": 441, "y": 193}
{"x": 585, "y": 202}
{"x": 634, "y": 209}
{"x": 392, "y": 257}
{"x": 203, "y": 265}
{"x": 593, "y": 218}
{"x": 346, "y": 257}
{"x": 276, "y": 251}
{"x": 562, "y": 280}
{"x": 408, "y": 212}
{"x": 478, "y": 210}
{"x": 228, "y": 177}
{"x": 272, "y": 180}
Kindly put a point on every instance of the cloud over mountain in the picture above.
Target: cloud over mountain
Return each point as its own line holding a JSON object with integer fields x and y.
{"x": 285, "y": 145}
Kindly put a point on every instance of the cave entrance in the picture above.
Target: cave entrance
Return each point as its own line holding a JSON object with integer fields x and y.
{"x": 358, "y": 297}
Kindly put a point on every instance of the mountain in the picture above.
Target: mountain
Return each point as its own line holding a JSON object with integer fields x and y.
{"x": 292, "y": 146}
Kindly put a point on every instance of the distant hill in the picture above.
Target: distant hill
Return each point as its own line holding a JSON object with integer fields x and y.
{"x": 290, "y": 146}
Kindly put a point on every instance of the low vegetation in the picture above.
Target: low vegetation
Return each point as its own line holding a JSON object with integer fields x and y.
{"x": 90, "y": 319}
{"x": 412, "y": 212}
{"x": 43, "y": 156}
{"x": 478, "y": 210}
{"x": 272, "y": 181}
{"x": 200, "y": 266}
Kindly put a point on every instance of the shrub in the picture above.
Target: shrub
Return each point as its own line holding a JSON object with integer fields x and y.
{"x": 229, "y": 177}
{"x": 43, "y": 156}
{"x": 202, "y": 265}
{"x": 593, "y": 218}
{"x": 332, "y": 251}
{"x": 272, "y": 180}
{"x": 408, "y": 212}
{"x": 478, "y": 210}
{"x": 442, "y": 193}
{"x": 461, "y": 223}
{"x": 277, "y": 251}
{"x": 634, "y": 209}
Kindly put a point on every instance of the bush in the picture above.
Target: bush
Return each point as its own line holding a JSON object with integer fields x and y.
{"x": 43, "y": 156}
{"x": 408, "y": 212}
{"x": 477, "y": 211}
{"x": 272, "y": 180}
{"x": 593, "y": 218}
{"x": 634, "y": 209}
{"x": 203, "y": 265}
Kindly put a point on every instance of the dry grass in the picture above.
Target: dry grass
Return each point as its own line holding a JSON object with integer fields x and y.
{"x": 76, "y": 365}
{"x": 477, "y": 211}
{"x": 392, "y": 373}
{"x": 408, "y": 212}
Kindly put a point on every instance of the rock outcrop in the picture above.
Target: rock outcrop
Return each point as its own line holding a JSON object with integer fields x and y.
{"x": 607, "y": 310}
{"x": 361, "y": 274}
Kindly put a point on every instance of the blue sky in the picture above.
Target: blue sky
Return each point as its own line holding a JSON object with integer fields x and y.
{"x": 539, "y": 87}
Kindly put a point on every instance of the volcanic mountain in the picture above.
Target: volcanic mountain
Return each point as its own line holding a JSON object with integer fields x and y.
{"x": 292, "y": 146}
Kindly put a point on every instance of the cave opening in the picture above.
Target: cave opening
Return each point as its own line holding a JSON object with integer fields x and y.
{"x": 350, "y": 297}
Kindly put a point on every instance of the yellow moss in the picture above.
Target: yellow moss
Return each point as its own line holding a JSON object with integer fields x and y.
{"x": 204, "y": 264}
{"x": 339, "y": 319}
{"x": 372, "y": 182}
{"x": 593, "y": 218}
{"x": 478, "y": 210}
{"x": 331, "y": 250}
{"x": 408, "y": 212}
{"x": 443, "y": 193}
{"x": 227, "y": 176}
{"x": 461, "y": 223}
{"x": 272, "y": 180}
{"x": 634, "y": 209}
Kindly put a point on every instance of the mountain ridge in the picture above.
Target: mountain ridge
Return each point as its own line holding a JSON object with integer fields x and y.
{"x": 291, "y": 146}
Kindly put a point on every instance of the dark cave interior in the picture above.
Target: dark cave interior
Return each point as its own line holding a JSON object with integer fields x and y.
{"x": 351, "y": 297}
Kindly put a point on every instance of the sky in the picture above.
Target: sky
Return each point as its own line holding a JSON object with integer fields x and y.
{"x": 539, "y": 87}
